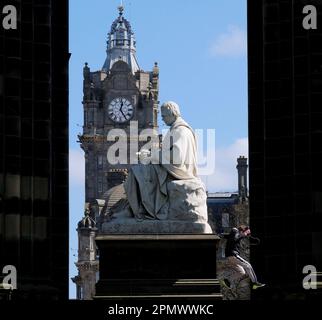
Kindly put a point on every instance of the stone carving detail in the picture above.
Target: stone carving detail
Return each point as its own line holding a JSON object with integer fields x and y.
{"x": 187, "y": 200}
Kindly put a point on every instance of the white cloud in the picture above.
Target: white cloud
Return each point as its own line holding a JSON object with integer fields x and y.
{"x": 225, "y": 175}
{"x": 232, "y": 43}
{"x": 76, "y": 167}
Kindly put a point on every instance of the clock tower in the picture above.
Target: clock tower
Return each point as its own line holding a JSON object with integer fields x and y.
{"x": 119, "y": 96}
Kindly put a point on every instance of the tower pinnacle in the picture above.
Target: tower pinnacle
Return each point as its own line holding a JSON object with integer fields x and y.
{"x": 121, "y": 8}
{"x": 121, "y": 44}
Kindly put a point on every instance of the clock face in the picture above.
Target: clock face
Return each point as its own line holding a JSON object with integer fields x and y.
{"x": 120, "y": 110}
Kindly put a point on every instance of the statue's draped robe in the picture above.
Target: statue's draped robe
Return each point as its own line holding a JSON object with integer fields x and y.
{"x": 146, "y": 185}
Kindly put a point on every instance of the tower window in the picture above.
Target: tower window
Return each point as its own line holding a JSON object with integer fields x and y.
{"x": 155, "y": 117}
{"x": 90, "y": 117}
{"x": 100, "y": 185}
{"x": 100, "y": 162}
{"x": 85, "y": 118}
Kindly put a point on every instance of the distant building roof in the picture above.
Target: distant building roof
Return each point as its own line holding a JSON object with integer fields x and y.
{"x": 218, "y": 200}
{"x": 222, "y": 194}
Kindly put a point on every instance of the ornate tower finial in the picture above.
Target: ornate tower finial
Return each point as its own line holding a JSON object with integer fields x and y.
{"x": 121, "y": 42}
{"x": 121, "y": 8}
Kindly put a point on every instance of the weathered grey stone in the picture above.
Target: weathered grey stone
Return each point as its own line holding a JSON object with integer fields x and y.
{"x": 131, "y": 226}
{"x": 187, "y": 200}
{"x": 187, "y": 213}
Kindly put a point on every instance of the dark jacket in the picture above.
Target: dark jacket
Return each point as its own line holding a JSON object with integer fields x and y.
{"x": 233, "y": 243}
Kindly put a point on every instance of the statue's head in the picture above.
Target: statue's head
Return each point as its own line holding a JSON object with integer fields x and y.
{"x": 170, "y": 112}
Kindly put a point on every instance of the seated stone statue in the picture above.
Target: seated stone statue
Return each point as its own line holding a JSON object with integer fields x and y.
{"x": 164, "y": 193}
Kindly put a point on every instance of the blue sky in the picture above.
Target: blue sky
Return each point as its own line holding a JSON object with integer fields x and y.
{"x": 200, "y": 47}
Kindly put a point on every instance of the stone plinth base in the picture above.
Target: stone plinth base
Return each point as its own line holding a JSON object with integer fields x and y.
{"x": 157, "y": 266}
{"x": 132, "y": 226}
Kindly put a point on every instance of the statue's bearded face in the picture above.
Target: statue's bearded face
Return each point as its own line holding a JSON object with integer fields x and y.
{"x": 167, "y": 116}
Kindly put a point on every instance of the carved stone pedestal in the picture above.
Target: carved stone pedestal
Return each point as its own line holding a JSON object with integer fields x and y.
{"x": 157, "y": 266}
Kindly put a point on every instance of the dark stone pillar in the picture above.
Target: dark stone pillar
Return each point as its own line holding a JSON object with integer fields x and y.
{"x": 151, "y": 266}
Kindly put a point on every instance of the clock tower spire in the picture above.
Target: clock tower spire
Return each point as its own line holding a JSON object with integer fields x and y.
{"x": 121, "y": 44}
